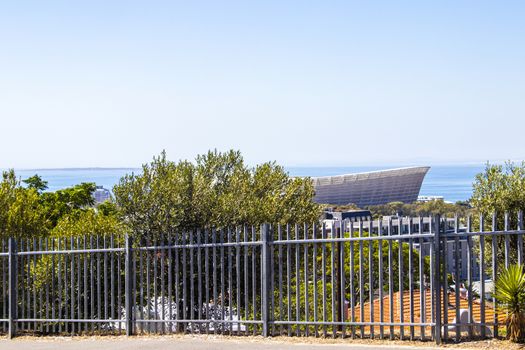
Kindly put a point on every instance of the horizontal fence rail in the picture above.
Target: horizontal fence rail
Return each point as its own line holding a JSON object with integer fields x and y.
{"x": 426, "y": 278}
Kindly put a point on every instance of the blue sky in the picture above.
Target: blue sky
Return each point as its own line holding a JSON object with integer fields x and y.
{"x": 343, "y": 83}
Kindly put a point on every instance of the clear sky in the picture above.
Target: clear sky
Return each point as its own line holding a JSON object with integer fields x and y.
{"x": 109, "y": 83}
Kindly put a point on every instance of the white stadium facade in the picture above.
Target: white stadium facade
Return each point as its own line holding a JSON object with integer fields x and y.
{"x": 370, "y": 188}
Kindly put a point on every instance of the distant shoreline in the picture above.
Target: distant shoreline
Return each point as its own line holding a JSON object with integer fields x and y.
{"x": 70, "y": 169}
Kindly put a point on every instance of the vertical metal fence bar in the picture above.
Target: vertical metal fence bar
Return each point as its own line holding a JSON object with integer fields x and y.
{"x": 361, "y": 280}
{"x": 314, "y": 272}
{"x": 351, "y": 267}
{"x": 191, "y": 252}
{"x": 66, "y": 286}
{"x": 254, "y": 281}
{"x": 184, "y": 283}
{"x": 51, "y": 245}
{"x": 162, "y": 275}
{"x": 207, "y": 280}
{"x": 4, "y": 292}
{"x": 520, "y": 238}
{"x": 237, "y": 278}
{"x": 494, "y": 269}
{"x": 411, "y": 277}
{"x": 380, "y": 273}
{"x": 79, "y": 285}
{"x": 422, "y": 286}
{"x": 214, "y": 267}
{"x": 482, "y": 273}
{"x": 445, "y": 282}
{"x": 457, "y": 279}
{"x": 86, "y": 290}
{"x": 401, "y": 278}
{"x": 342, "y": 282}
{"x": 246, "y": 280}
{"x": 99, "y": 284}
{"x": 43, "y": 303}
{"x": 280, "y": 251}
{"x": 4, "y": 288}
{"x": 59, "y": 287}
{"x": 297, "y": 282}
{"x": 436, "y": 252}
{"x": 297, "y": 278}
{"x": 507, "y": 240}
{"x": 371, "y": 276}
{"x": 128, "y": 273}
{"x": 12, "y": 275}
{"x": 266, "y": 272}
{"x": 35, "y": 300}
{"x": 306, "y": 273}
{"x": 28, "y": 284}
{"x": 332, "y": 275}
{"x": 199, "y": 277}
{"x": 91, "y": 282}
{"x": 178, "y": 311}
{"x": 105, "y": 273}
{"x": 140, "y": 253}
{"x": 169, "y": 262}
{"x": 390, "y": 279}
{"x": 469, "y": 278}
{"x": 223, "y": 283}
{"x": 72, "y": 280}
{"x": 431, "y": 228}
{"x": 155, "y": 284}
{"x": 323, "y": 277}
{"x": 230, "y": 282}
{"x": 119, "y": 289}
{"x": 23, "y": 280}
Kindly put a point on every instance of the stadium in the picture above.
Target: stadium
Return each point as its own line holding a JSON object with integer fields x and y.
{"x": 370, "y": 188}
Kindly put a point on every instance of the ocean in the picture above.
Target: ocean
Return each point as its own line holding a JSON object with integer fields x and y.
{"x": 453, "y": 182}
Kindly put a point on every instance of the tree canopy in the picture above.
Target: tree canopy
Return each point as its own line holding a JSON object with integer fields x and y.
{"x": 217, "y": 190}
{"x": 28, "y": 211}
{"x": 500, "y": 189}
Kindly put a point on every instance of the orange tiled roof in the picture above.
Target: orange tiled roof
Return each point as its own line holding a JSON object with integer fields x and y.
{"x": 463, "y": 304}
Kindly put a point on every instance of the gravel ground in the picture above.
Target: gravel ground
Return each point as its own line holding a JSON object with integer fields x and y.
{"x": 203, "y": 342}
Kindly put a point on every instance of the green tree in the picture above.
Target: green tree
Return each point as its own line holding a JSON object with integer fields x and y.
{"x": 36, "y": 182}
{"x": 500, "y": 189}
{"x": 218, "y": 190}
{"x": 65, "y": 201}
{"x": 21, "y": 214}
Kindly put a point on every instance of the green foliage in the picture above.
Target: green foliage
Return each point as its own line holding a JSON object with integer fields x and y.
{"x": 66, "y": 201}
{"x": 27, "y": 212}
{"x": 433, "y": 207}
{"x": 510, "y": 294}
{"x": 88, "y": 222}
{"x": 36, "y": 182}
{"x": 21, "y": 214}
{"x": 217, "y": 190}
{"x": 500, "y": 189}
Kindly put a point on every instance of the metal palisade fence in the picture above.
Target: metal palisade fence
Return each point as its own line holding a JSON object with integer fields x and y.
{"x": 428, "y": 278}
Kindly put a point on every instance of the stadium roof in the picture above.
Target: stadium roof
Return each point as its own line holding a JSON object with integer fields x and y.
{"x": 371, "y": 188}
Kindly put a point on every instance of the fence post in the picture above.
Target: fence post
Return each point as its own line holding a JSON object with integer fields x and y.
{"x": 437, "y": 279}
{"x": 12, "y": 288}
{"x": 129, "y": 286}
{"x": 266, "y": 278}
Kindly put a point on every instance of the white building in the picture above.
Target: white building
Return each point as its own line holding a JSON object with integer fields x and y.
{"x": 101, "y": 194}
